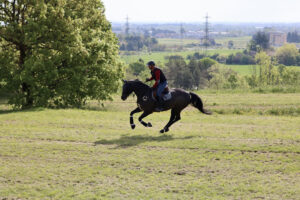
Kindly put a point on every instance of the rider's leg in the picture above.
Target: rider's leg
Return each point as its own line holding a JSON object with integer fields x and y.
{"x": 160, "y": 89}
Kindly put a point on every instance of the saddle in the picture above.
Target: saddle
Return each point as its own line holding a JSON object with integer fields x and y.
{"x": 166, "y": 94}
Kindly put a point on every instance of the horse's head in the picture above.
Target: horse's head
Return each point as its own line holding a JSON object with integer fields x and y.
{"x": 127, "y": 90}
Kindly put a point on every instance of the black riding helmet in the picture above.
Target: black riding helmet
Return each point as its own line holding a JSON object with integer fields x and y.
{"x": 151, "y": 63}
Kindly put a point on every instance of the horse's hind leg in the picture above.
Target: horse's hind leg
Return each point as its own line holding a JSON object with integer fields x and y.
{"x": 131, "y": 116}
{"x": 175, "y": 116}
{"x": 145, "y": 114}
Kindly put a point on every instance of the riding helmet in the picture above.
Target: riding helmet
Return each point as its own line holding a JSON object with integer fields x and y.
{"x": 151, "y": 63}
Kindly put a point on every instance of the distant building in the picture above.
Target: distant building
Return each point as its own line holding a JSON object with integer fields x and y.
{"x": 277, "y": 38}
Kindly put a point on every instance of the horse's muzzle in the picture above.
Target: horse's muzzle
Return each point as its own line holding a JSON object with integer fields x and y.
{"x": 123, "y": 98}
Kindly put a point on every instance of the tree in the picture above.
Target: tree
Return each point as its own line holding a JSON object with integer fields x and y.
{"x": 57, "y": 52}
{"x": 259, "y": 41}
{"x": 293, "y": 37}
{"x": 206, "y": 63}
{"x": 178, "y": 73}
{"x": 136, "y": 42}
{"x": 287, "y": 54}
{"x": 137, "y": 67}
{"x": 240, "y": 58}
{"x": 195, "y": 71}
{"x": 268, "y": 74}
{"x": 230, "y": 44}
{"x": 222, "y": 78}
{"x": 264, "y": 63}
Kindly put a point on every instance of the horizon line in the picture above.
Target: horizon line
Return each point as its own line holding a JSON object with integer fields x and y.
{"x": 195, "y": 22}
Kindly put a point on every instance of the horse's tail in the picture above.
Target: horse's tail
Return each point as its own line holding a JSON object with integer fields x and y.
{"x": 197, "y": 103}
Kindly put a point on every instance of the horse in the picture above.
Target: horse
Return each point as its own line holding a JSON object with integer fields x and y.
{"x": 179, "y": 100}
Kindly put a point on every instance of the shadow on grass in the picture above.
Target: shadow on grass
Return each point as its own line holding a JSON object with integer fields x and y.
{"x": 128, "y": 141}
{"x": 8, "y": 111}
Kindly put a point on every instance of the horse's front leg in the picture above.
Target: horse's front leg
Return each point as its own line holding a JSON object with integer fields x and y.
{"x": 131, "y": 116}
{"x": 145, "y": 114}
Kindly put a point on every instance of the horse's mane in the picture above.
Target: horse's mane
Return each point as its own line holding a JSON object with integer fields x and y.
{"x": 139, "y": 83}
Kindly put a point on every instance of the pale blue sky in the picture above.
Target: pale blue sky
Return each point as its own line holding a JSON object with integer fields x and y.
{"x": 195, "y": 10}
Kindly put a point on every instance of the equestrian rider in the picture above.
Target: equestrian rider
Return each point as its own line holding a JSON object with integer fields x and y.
{"x": 160, "y": 82}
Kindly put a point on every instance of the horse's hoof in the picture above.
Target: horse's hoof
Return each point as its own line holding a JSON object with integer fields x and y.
{"x": 164, "y": 130}
{"x": 149, "y": 124}
{"x": 133, "y": 126}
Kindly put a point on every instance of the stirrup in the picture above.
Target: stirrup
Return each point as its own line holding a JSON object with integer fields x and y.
{"x": 160, "y": 104}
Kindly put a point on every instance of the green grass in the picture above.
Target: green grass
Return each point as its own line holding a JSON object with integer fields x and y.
{"x": 239, "y": 42}
{"x": 160, "y": 56}
{"x": 171, "y": 42}
{"x": 245, "y": 150}
{"x": 249, "y": 69}
{"x": 241, "y": 69}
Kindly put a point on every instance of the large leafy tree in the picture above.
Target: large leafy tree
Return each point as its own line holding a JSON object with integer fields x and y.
{"x": 287, "y": 54}
{"x": 259, "y": 41}
{"x": 57, "y": 52}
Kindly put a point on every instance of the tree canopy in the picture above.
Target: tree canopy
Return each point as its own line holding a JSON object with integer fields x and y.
{"x": 288, "y": 54}
{"x": 259, "y": 41}
{"x": 188, "y": 76}
{"x": 57, "y": 52}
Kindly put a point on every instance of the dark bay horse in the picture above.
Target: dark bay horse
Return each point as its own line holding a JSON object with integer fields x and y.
{"x": 145, "y": 101}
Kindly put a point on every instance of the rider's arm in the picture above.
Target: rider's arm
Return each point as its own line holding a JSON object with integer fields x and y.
{"x": 157, "y": 79}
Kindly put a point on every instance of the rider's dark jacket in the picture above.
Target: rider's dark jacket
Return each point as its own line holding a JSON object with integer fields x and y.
{"x": 158, "y": 76}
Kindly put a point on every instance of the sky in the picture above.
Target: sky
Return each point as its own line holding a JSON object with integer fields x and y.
{"x": 184, "y": 11}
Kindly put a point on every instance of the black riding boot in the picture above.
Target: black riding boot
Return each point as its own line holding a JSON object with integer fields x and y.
{"x": 160, "y": 104}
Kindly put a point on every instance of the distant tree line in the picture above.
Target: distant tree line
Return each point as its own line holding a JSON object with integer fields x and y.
{"x": 200, "y": 70}
{"x": 240, "y": 58}
{"x": 293, "y": 37}
{"x": 207, "y": 73}
{"x": 156, "y": 32}
{"x": 139, "y": 43}
{"x": 268, "y": 74}
{"x": 135, "y": 42}
{"x": 287, "y": 55}
{"x": 199, "y": 56}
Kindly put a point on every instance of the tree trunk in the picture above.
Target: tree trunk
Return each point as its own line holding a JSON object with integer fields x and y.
{"x": 25, "y": 86}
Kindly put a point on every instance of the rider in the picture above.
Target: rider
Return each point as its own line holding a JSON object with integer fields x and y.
{"x": 160, "y": 82}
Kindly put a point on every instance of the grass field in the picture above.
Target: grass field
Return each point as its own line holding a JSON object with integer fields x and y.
{"x": 160, "y": 56}
{"x": 248, "y": 149}
{"x": 238, "y": 42}
{"x": 249, "y": 69}
{"x": 241, "y": 69}
{"x": 171, "y": 42}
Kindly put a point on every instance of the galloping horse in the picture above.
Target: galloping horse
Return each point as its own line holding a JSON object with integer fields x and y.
{"x": 145, "y": 101}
